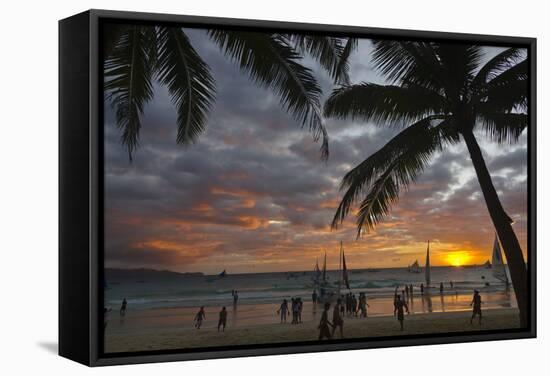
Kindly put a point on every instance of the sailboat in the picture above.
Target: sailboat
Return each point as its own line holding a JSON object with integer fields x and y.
{"x": 499, "y": 269}
{"x": 327, "y": 293}
{"x": 345, "y": 276}
{"x": 427, "y": 271}
{"x": 414, "y": 268}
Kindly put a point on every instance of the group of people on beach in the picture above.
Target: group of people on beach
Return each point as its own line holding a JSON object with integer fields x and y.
{"x": 201, "y": 316}
{"x": 347, "y": 305}
{"x": 353, "y": 306}
{"x": 296, "y": 307}
{"x": 325, "y": 325}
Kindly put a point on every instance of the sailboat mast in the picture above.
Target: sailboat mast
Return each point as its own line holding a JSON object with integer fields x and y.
{"x": 428, "y": 276}
{"x": 325, "y": 268}
{"x": 340, "y": 270}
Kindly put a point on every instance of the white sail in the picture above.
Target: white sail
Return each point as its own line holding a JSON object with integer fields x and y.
{"x": 428, "y": 276}
{"x": 499, "y": 269}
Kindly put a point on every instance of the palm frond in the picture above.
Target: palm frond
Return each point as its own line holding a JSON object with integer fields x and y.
{"x": 326, "y": 50}
{"x": 415, "y": 142}
{"x": 499, "y": 63}
{"x": 404, "y": 170}
{"x": 272, "y": 63}
{"x": 189, "y": 82}
{"x": 508, "y": 91}
{"x": 409, "y": 63}
{"x": 459, "y": 62}
{"x": 503, "y": 127}
{"x": 112, "y": 33}
{"x": 383, "y": 104}
{"x": 128, "y": 72}
{"x": 342, "y": 69}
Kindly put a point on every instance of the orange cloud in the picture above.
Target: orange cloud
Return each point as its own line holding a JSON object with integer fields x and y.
{"x": 233, "y": 192}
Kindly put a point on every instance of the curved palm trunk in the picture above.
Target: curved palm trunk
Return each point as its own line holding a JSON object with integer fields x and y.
{"x": 501, "y": 221}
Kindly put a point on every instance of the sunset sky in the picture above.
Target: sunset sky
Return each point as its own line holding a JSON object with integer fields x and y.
{"x": 253, "y": 195}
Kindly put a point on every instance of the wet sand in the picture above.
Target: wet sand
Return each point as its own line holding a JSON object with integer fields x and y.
{"x": 134, "y": 336}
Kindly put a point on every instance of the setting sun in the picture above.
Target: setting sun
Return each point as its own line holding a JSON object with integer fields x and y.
{"x": 458, "y": 258}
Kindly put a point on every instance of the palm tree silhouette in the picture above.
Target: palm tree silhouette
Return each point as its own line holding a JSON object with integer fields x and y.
{"x": 135, "y": 55}
{"x": 439, "y": 93}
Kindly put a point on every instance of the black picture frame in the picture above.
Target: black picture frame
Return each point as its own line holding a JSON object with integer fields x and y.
{"x": 81, "y": 193}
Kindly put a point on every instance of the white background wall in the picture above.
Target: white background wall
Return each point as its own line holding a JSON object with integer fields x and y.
{"x": 28, "y": 185}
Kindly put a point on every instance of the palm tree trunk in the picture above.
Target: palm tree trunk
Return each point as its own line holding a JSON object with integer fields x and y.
{"x": 503, "y": 226}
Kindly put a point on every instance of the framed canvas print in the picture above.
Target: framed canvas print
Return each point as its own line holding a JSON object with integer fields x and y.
{"x": 235, "y": 187}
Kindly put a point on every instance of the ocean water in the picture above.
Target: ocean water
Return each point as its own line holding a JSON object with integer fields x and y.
{"x": 187, "y": 291}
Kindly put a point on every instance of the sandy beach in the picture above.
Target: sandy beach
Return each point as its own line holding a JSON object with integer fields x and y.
{"x": 181, "y": 338}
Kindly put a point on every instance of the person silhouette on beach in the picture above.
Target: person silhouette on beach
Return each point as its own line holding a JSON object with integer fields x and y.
{"x": 300, "y": 306}
{"x": 400, "y": 305}
{"x": 363, "y": 304}
{"x": 476, "y": 302}
{"x": 337, "y": 319}
{"x": 123, "y": 307}
{"x": 235, "y": 297}
{"x": 199, "y": 317}
{"x": 324, "y": 324}
{"x": 283, "y": 310}
{"x": 294, "y": 309}
{"x": 314, "y": 297}
{"x": 223, "y": 319}
{"x": 441, "y": 288}
{"x": 421, "y": 289}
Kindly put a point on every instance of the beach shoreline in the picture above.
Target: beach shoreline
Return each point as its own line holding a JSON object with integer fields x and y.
{"x": 186, "y": 338}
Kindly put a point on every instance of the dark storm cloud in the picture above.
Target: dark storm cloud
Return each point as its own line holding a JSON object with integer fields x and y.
{"x": 253, "y": 192}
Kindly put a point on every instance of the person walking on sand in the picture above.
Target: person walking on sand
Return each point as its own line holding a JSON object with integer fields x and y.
{"x": 223, "y": 319}
{"x": 441, "y": 288}
{"x": 363, "y": 304}
{"x": 421, "y": 289}
{"x": 283, "y": 310}
{"x": 300, "y": 305}
{"x": 293, "y": 308}
{"x": 123, "y": 308}
{"x": 337, "y": 320}
{"x": 235, "y": 297}
{"x": 395, "y": 298}
{"x": 314, "y": 297}
{"x": 411, "y": 290}
{"x": 476, "y": 302}
{"x": 199, "y": 317}
{"x": 400, "y": 305}
{"x": 324, "y": 324}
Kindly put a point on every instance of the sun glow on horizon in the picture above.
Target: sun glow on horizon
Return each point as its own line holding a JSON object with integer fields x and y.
{"x": 458, "y": 258}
